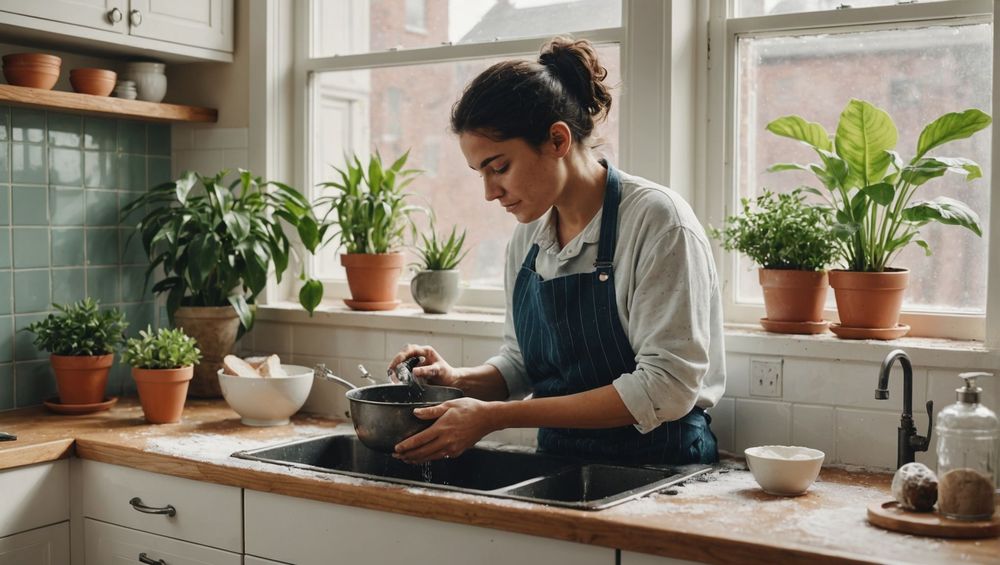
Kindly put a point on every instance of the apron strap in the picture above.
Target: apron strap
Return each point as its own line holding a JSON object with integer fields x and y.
{"x": 609, "y": 221}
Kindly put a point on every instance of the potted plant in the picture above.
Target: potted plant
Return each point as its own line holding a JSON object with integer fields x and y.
{"x": 791, "y": 241}
{"x": 162, "y": 366}
{"x": 870, "y": 189}
{"x": 372, "y": 216}
{"x": 216, "y": 246}
{"x": 435, "y": 286}
{"x": 82, "y": 340}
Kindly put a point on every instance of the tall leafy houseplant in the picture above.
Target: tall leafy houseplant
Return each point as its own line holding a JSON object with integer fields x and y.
{"x": 82, "y": 340}
{"x": 216, "y": 244}
{"x": 372, "y": 217}
{"x": 872, "y": 192}
{"x": 791, "y": 241}
{"x": 435, "y": 287}
{"x": 162, "y": 366}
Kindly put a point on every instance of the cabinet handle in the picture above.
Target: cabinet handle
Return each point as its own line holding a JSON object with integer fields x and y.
{"x": 135, "y": 18}
{"x": 115, "y": 16}
{"x": 167, "y": 510}
{"x": 143, "y": 558}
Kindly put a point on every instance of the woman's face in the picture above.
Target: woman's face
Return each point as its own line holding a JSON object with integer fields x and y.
{"x": 525, "y": 181}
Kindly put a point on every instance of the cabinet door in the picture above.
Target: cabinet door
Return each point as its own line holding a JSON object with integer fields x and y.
{"x": 108, "y": 544}
{"x": 631, "y": 558}
{"x": 200, "y": 23}
{"x": 90, "y": 13}
{"x": 44, "y": 546}
{"x": 34, "y": 496}
{"x": 307, "y": 532}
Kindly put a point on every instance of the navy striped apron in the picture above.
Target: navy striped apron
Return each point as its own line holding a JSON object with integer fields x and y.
{"x": 572, "y": 341}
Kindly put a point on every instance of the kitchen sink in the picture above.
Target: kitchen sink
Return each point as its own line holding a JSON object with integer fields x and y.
{"x": 518, "y": 475}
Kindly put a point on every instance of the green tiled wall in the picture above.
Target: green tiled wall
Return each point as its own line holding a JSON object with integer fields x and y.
{"x": 63, "y": 178}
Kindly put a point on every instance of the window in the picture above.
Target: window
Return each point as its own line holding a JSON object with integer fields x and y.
{"x": 387, "y": 89}
{"x": 916, "y": 62}
{"x": 416, "y": 15}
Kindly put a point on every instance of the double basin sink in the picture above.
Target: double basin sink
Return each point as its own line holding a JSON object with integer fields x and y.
{"x": 517, "y": 475}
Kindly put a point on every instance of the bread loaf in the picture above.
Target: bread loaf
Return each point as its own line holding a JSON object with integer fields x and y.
{"x": 915, "y": 487}
{"x": 271, "y": 367}
{"x": 237, "y": 367}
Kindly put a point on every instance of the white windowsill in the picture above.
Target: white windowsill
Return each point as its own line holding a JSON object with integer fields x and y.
{"x": 740, "y": 338}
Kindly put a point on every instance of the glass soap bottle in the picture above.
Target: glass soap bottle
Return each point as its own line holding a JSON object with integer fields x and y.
{"x": 967, "y": 454}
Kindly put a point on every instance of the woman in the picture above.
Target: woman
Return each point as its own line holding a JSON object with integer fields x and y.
{"x": 614, "y": 321}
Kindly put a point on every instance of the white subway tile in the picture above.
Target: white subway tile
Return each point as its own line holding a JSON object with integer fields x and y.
{"x": 761, "y": 422}
{"x": 737, "y": 375}
{"x": 866, "y": 437}
{"x": 326, "y": 341}
{"x": 845, "y": 383}
{"x": 206, "y": 162}
{"x": 271, "y": 337}
{"x": 350, "y": 371}
{"x": 447, "y": 346}
{"x": 181, "y": 137}
{"x": 723, "y": 416}
{"x": 815, "y": 427}
{"x": 476, "y": 350}
{"x": 233, "y": 160}
{"x": 221, "y": 138}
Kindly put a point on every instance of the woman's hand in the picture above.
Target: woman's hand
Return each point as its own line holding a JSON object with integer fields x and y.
{"x": 434, "y": 369}
{"x": 460, "y": 424}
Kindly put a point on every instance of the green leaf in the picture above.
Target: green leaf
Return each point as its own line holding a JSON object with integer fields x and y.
{"x": 949, "y": 127}
{"x": 944, "y": 210}
{"x": 243, "y": 310}
{"x": 864, "y": 135}
{"x": 184, "y": 185}
{"x": 204, "y": 254}
{"x": 310, "y": 295}
{"x": 929, "y": 168}
{"x": 777, "y": 167}
{"x": 794, "y": 127}
{"x": 237, "y": 223}
{"x": 881, "y": 193}
{"x": 927, "y": 248}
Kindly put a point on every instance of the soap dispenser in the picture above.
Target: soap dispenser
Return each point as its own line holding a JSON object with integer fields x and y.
{"x": 967, "y": 435}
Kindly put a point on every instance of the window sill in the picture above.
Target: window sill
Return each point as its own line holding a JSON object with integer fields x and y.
{"x": 740, "y": 338}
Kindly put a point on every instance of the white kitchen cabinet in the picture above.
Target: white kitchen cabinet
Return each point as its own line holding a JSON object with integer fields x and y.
{"x": 308, "y": 532}
{"x": 165, "y": 29}
{"x": 108, "y": 544}
{"x": 42, "y": 546}
{"x": 203, "y": 513}
{"x": 33, "y": 496}
{"x": 631, "y": 558}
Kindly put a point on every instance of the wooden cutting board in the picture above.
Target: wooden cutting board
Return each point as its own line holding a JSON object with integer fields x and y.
{"x": 890, "y": 516}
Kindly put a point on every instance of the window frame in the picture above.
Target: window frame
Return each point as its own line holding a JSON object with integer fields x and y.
{"x": 645, "y": 39}
{"x": 722, "y": 198}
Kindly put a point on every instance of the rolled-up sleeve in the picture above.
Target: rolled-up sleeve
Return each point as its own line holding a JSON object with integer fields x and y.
{"x": 509, "y": 361}
{"x": 669, "y": 325}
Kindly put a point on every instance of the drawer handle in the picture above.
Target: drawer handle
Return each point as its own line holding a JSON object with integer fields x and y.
{"x": 114, "y": 16}
{"x": 143, "y": 558}
{"x": 167, "y": 510}
{"x": 135, "y": 18}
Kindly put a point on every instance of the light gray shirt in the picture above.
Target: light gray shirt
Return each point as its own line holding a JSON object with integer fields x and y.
{"x": 668, "y": 299}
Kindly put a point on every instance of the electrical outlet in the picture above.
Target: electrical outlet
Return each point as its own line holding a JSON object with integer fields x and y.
{"x": 765, "y": 376}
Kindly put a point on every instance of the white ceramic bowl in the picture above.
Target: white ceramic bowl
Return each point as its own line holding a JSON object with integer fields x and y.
{"x": 151, "y": 87}
{"x": 784, "y": 470}
{"x": 267, "y": 401}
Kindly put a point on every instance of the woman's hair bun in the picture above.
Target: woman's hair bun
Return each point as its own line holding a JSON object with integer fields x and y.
{"x": 575, "y": 64}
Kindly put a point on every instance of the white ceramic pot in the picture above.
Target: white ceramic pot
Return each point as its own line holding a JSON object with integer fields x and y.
{"x": 149, "y": 86}
{"x": 267, "y": 401}
{"x": 436, "y": 291}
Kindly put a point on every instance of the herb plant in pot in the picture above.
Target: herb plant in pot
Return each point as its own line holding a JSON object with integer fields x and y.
{"x": 791, "y": 241}
{"x": 82, "y": 340}
{"x": 162, "y": 366}
{"x": 870, "y": 189}
{"x": 435, "y": 286}
{"x": 215, "y": 245}
{"x": 372, "y": 216}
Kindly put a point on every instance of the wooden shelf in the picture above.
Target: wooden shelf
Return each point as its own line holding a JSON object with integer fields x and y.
{"x": 104, "y": 105}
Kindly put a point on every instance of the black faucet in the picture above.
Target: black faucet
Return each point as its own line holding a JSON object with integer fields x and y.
{"x": 908, "y": 442}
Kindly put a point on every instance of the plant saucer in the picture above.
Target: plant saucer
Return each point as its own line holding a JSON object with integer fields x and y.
{"x": 372, "y": 306}
{"x": 794, "y": 327}
{"x": 54, "y": 405}
{"x": 846, "y": 332}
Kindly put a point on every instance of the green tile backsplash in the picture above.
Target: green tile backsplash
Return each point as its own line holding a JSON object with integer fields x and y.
{"x": 63, "y": 178}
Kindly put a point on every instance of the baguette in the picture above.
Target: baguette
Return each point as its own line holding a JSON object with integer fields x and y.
{"x": 237, "y": 367}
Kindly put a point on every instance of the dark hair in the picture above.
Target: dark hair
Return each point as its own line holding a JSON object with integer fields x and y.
{"x": 522, "y": 99}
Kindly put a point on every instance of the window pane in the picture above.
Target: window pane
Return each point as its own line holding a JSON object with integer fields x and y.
{"x": 745, "y": 8}
{"x": 399, "y": 108}
{"x": 916, "y": 75}
{"x": 343, "y": 27}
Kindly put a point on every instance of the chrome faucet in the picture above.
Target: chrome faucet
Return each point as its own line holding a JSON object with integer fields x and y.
{"x": 908, "y": 442}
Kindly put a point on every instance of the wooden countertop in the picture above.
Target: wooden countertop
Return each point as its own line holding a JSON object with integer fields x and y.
{"x": 726, "y": 519}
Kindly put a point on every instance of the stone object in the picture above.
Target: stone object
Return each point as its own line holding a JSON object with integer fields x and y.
{"x": 915, "y": 487}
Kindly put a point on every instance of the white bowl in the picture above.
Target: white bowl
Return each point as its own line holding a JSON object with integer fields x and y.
{"x": 784, "y": 470}
{"x": 267, "y": 401}
{"x": 151, "y": 87}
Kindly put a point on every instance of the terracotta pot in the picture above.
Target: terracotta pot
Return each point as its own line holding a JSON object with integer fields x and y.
{"x": 793, "y": 296}
{"x": 214, "y": 328}
{"x": 373, "y": 279}
{"x": 162, "y": 392}
{"x": 32, "y": 59}
{"x": 81, "y": 379}
{"x": 869, "y": 300}
{"x": 97, "y": 82}
{"x": 41, "y": 77}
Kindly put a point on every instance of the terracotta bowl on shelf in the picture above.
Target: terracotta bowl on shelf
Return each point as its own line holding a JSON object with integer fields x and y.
{"x": 33, "y": 70}
{"x": 98, "y": 82}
